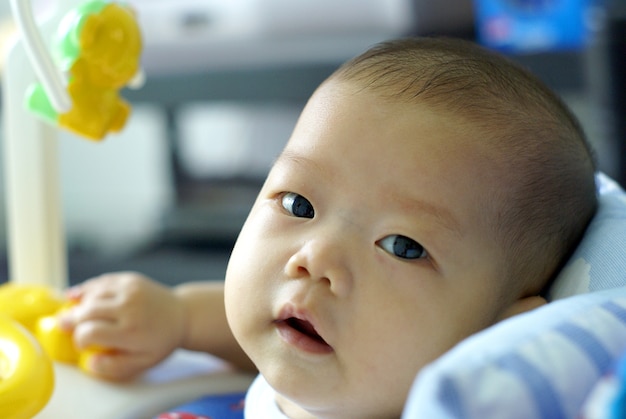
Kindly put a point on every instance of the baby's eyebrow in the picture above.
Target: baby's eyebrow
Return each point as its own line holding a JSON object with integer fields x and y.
{"x": 440, "y": 215}
{"x": 288, "y": 156}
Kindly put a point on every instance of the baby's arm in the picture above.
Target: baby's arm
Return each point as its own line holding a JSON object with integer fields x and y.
{"x": 143, "y": 321}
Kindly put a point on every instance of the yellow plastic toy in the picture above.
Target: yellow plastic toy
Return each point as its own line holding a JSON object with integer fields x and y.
{"x": 99, "y": 46}
{"x": 37, "y": 308}
{"x": 26, "y": 373}
{"x": 55, "y": 341}
{"x": 27, "y": 303}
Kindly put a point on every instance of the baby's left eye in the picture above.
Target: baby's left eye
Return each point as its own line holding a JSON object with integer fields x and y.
{"x": 402, "y": 247}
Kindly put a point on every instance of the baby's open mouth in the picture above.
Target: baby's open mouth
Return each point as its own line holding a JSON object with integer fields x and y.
{"x": 305, "y": 328}
{"x": 302, "y": 333}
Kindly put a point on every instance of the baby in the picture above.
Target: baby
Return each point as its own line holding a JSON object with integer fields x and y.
{"x": 430, "y": 189}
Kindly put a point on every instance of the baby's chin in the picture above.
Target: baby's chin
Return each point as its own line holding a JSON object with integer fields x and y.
{"x": 339, "y": 405}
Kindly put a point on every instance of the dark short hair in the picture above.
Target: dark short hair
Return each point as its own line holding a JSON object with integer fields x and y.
{"x": 547, "y": 195}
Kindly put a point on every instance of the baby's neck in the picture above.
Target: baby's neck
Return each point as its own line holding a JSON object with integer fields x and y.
{"x": 291, "y": 409}
{"x": 294, "y": 411}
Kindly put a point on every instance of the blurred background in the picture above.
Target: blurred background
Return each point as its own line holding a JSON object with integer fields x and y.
{"x": 226, "y": 81}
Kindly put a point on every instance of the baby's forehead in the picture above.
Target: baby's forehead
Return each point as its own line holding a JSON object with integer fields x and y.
{"x": 414, "y": 129}
{"x": 410, "y": 138}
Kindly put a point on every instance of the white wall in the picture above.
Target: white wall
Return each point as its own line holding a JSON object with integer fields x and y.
{"x": 114, "y": 192}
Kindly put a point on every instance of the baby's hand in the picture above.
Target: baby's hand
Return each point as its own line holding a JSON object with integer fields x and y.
{"x": 139, "y": 321}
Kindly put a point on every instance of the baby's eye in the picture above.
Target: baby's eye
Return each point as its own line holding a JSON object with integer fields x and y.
{"x": 297, "y": 205}
{"x": 403, "y": 247}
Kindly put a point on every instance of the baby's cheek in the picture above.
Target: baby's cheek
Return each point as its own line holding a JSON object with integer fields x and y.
{"x": 240, "y": 304}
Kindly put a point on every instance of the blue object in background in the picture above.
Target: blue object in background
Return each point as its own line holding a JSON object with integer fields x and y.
{"x": 216, "y": 406}
{"x": 530, "y": 26}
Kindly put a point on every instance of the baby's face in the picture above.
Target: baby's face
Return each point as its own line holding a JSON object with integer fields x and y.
{"x": 366, "y": 255}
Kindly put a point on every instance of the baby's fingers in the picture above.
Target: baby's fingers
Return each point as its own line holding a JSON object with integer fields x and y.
{"x": 117, "y": 365}
{"x": 101, "y": 286}
{"x": 101, "y": 333}
{"x": 104, "y": 310}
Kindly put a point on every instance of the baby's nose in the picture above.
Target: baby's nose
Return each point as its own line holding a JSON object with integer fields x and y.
{"x": 322, "y": 260}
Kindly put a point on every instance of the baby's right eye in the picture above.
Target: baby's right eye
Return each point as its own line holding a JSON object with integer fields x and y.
{"x": 297, "y": 205}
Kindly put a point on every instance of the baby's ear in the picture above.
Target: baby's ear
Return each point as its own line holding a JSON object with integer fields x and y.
{"x": 521, "y": 306}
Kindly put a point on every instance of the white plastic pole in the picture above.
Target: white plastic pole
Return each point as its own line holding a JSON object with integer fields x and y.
{"x": 36, "y": 240}
{"x": 39, "y": 56}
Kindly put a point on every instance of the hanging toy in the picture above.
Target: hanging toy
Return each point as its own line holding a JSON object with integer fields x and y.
{"x": 99, "y": 47}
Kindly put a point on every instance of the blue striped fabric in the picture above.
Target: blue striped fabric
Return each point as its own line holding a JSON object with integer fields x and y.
{"x": 618, "y": 311}
{"x": 538, "y": 385}
{"x": 452, "y": 399}
{"x": 540, "y": 365}
{"x": 588, "y": 344}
